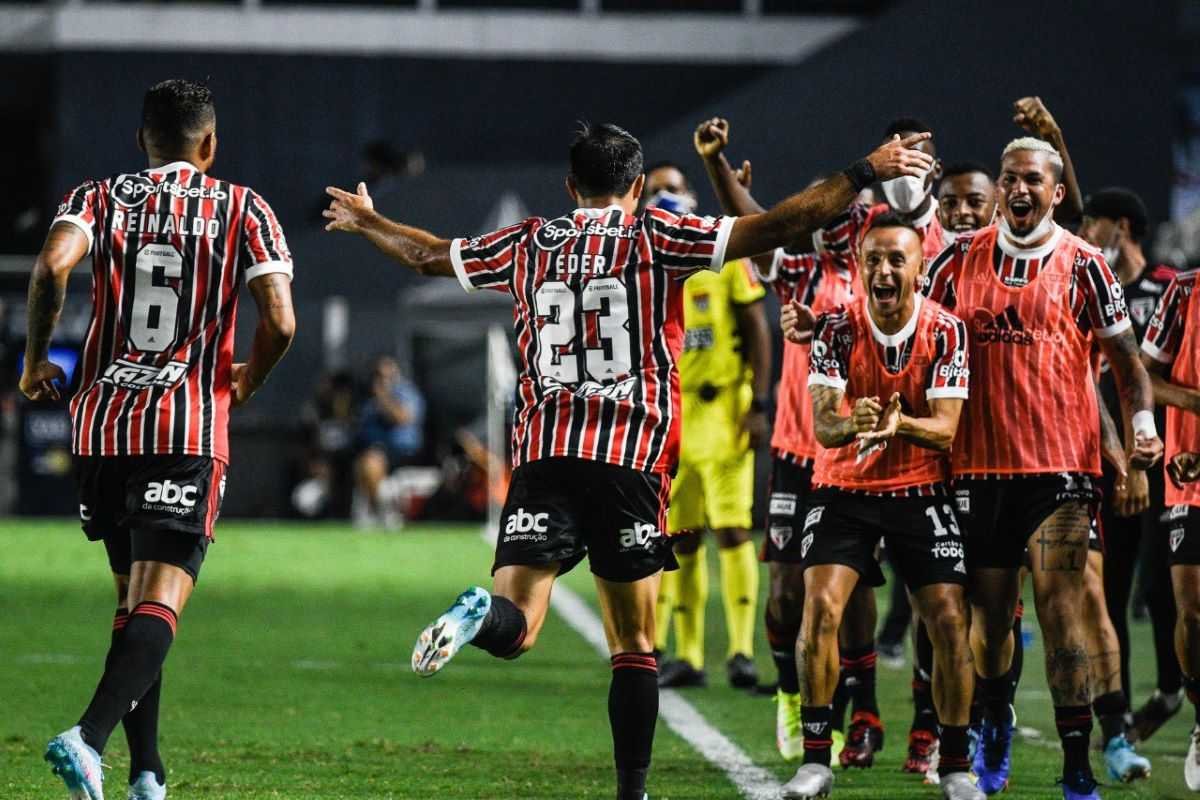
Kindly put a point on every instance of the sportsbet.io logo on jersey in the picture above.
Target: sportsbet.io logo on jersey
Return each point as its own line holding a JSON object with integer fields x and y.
{"x": 131, "y": 191}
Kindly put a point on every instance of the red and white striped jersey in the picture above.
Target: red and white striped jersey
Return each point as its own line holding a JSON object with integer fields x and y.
{"x": 170, "y": 249}
{"x": 599, "y": 326}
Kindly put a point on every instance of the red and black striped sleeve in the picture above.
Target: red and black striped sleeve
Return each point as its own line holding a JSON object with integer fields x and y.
{"x": 795, "y": 276}
{"x": 941, "y": 275}
{"x": 1165, "y": 330}
{"x": 264, "y": 250}
{"x": 950, "y": 373}
{"x": 688, "y": 243}
{"x": 1103, "y": 296}
{"x": 78, "y": 208}
{"x": 487, "y": 261}
{"x": 829, "y": 356}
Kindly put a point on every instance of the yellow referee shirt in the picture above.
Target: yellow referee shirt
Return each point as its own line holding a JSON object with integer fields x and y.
{"x": 712, "y": 347}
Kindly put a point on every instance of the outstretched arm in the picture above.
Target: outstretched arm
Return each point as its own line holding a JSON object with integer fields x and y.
{"x": 1032, "y": 115}
{"x": 808, "y": 210}
{"x": 65, "y": 246}
{"x": 731, "y": 186}
{"x": 416, "y": 249}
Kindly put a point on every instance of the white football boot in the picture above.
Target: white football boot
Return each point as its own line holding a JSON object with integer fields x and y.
{"x": 959, "y": 786}
{"x": 77, "y": 764}
{"x": 447, "y": 634}
{"x": 810, "y": 782}
{"x": 147, "y": 787}
{"x": 1191, "y": 766}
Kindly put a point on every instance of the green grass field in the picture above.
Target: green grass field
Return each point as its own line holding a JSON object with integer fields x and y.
{"x": 290, "y": 679}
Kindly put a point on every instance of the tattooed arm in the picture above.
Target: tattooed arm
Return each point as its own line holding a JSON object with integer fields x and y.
{"x": 830, "y": 427}
{"x": 416, "y": 249}
{"x": 276, "y": 327}
{"x": 1136, "y": 394}
{"x": 65, "y": 246}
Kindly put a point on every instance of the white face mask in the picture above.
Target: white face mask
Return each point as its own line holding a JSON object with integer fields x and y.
{"x": 1041, "y": 229}
{"x": 675, "y": 203}
{"x": 905, "y": 194}
{"x": 1112, "y": 251}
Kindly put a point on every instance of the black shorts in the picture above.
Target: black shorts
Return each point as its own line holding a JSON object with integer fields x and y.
{"x": 787, "y": 500}
{"x": 562, "y": 509}
{"x": 150, "y": 508}
{"x": 1181, "y": 526}
{"x": 999, "y": 515}
{"x": 921, "y": 533}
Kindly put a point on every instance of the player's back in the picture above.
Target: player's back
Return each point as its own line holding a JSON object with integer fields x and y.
{"x": 599, "y": 326}
{"x": 170, "y": 249}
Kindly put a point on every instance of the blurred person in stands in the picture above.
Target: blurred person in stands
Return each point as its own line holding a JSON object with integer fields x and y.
{"x": 325, "y": 484}
{"x": 391, "y": 434}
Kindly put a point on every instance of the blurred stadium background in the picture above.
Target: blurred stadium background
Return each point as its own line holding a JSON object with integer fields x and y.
{"x": 458, "y": 112}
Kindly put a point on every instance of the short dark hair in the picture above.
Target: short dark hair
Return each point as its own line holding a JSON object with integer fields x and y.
{"x": 605, "y": 159}
{"x": 890, "y": 219}
{"x": 666, "y": 163}
{"x": 176, "y": 112}
{"x": 906, "y": 125}
{"x": 1116, "y": 202}
{"x": 966, "y": 168}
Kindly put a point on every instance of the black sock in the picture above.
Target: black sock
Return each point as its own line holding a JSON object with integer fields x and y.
{"x": 993, "y": 696}
{"x": 134, "y": 664}
{"x": 818, "y": 739}
{"x": 1074, "y": 724}
{"x": 952, "y": 752}
{"x": 782, "y": 639}
{"x": 503, "y": 629}
{"x": 841, "y": 699}
{"x": 858, "y": 667}
{"x": 1191, "y": 687}
{"x": 1018, "y": 657}
{"x": 1111, "y": 708}
{"x": 632, "y": 713}
{"x": 141, "y": 724}
{"x": 924, "y": 713}
{"x": 141, "y": 733}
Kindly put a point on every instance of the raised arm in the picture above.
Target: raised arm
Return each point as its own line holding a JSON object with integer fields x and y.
{"x": 808, "y": 210}
{"x": 273, "y": 336}
{"x": 1032, "y": 115}
{"x": 65, "y": 246}
{"x": 731, "y": 186}
{"x": 414, "y": 248}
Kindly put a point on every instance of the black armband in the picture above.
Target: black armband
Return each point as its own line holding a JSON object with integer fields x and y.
{"x": 860, "y": 173}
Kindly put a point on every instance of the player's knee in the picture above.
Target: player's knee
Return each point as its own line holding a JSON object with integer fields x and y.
{"x": 946, "y": 621}
{"x": 823, "y": 613}
{"x": 785, "y": 606}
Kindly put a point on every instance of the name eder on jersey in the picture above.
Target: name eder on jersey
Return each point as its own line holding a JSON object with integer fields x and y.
{"x": 557, "y": 232}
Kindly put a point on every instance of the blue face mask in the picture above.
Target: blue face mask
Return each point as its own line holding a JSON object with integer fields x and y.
{"x": 675, "y": 203}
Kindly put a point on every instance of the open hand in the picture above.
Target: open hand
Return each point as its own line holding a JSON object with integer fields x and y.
{"x": 797, "y": 321}
{"x": 897, "y": 157}
{"x": 711, "y": 137}
{"x": 37, "y": 381}
{"x": 348, "y": 211}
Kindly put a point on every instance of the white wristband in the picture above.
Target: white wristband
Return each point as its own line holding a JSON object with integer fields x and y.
{"x": 1143, "y": 425}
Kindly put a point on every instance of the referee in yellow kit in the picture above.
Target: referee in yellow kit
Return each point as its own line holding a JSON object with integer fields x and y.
{"x": 724, "y": 373}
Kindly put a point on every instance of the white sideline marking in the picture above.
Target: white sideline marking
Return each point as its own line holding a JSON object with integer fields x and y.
{"x": 754, "y": 782}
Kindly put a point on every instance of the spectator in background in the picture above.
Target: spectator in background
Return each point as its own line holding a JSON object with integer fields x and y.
{"x": 324, "y": 484}
{"x": 391, "y": 433}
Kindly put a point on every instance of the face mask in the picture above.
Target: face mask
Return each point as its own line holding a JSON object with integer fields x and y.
{"x": 905, "y": 194}
{"x": 1112, "y": 251}
{"x": 675, "y": 203}
{"x": 1041, "y": 229}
